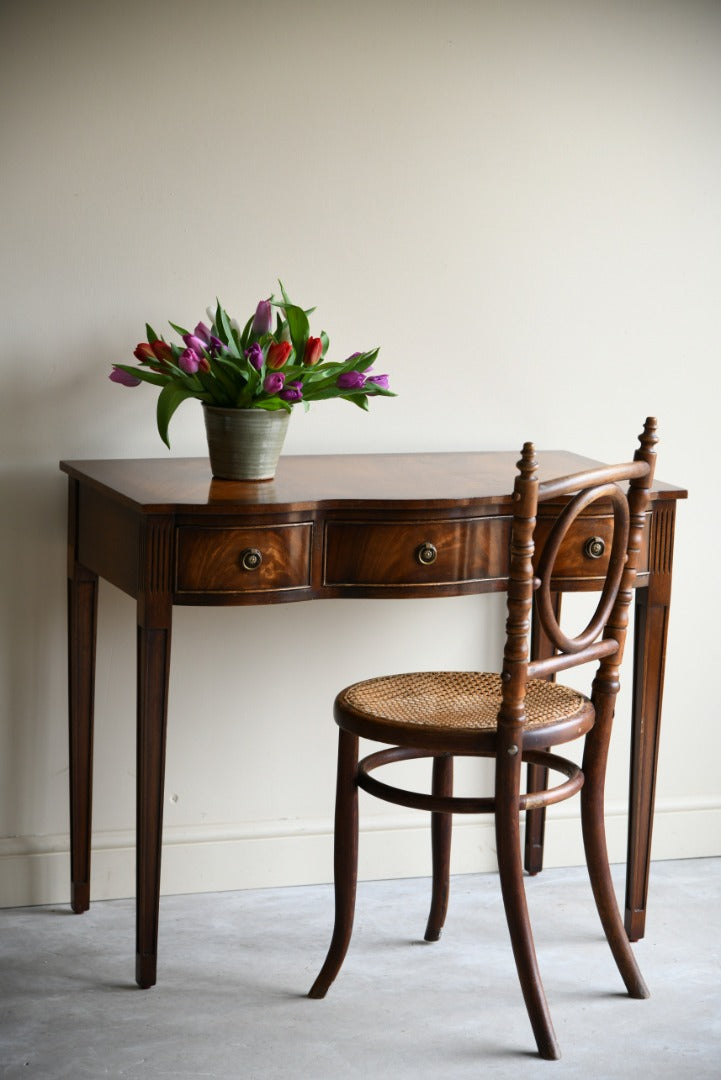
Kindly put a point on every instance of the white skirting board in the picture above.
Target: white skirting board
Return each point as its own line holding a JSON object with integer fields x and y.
{"x": 35, "y": 870}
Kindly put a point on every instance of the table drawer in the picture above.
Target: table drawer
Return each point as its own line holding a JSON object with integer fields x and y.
{"x": 359, "y": 553}
{"x": 585, "y": 552}
{"x": 226, "y": 560}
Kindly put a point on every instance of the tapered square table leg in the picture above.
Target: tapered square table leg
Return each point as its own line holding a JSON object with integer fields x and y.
{"x": 153, "y": 659}
{"x": 82, "y": 623}
{"x": 649, "y": 663}
{"x": 82, "y": 615}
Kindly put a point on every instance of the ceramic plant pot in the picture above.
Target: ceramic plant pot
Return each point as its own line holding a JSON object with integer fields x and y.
{"x": 244, "y": 444}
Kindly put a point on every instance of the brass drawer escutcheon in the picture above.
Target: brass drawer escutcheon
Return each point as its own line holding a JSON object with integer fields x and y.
{"x": 427, "y": 553}
{"x": 594, "y": 547}
{"x": 251, "y": 559}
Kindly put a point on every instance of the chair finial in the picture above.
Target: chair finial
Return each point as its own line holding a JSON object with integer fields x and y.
{"x": 528, "y": 463}
{"x": 648, "y": 437}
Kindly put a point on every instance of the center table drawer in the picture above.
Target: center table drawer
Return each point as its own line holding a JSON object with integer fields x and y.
{"x": 226, "y": 560}
{"x": 415, "y": 553}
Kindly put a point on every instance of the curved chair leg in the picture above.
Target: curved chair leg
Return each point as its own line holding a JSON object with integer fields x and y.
{"x": 441, "y": 828}
{"x": 594, "y": 840}
{"x": 510, "y": 866}
{"x": 345, "y": 862}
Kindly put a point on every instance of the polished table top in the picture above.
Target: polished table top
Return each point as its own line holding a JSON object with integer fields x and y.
{"x": 423, "y": 481}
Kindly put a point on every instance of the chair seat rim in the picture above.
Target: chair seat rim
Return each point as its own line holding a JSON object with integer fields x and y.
{"x": 442, "y": 737}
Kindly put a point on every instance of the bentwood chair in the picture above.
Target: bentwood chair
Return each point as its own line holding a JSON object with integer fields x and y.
{"x": 512, "y": 717}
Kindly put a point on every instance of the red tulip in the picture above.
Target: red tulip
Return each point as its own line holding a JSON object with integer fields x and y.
{"x": 162, "y": 351}
{"x": 313, "y": 350}
{"x": 278, "y": 353}
{"x": 144, "y": 351}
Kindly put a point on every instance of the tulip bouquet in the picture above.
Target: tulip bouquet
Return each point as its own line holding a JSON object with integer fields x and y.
{"x": 258, "y": 367}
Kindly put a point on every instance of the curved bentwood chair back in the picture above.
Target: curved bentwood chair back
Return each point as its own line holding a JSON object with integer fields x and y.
{"x": 513, "y": 717}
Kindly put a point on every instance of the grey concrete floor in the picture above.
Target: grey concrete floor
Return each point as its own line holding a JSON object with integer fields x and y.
{"x": 234, "y": 969}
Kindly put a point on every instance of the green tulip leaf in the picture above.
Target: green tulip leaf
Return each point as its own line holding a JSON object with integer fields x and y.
{"x": 364, "y": 361}
{"x": 169, "y": 398}
{"x": 179, "y": 329}
{"x": 245, "y": 336}
{"x": 273, "y": 404}
{"x": 227, "y": 384}
{"x": 299, "y": 328}
{"x": 223, "y": 321}
{"x": 244, "y": 400}
{"x": 230, "y": 336}
{"x": 217, "y": 322}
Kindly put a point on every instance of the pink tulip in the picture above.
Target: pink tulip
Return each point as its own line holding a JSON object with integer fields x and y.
{"x": 194, "y": 343}
{"x": 189, "y": 361}
{"x": 274, "y": 382}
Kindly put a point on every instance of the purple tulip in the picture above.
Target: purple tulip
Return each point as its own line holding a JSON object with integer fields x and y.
{"x": 351, "y": 380}
{"x": 353, "y": 356}
{"x": 123, "y": 377}
{"x": 293, "y": 391}
{"x": 216, "y": 346}
{"x": 194, "y": 343}
{"x": 254, "y": 355}
{"x": 203, "y": 332}
{"x": 274, "y": 382}
{"x": 379, "y": 380}
{"x": 189, "y": 361}
{"x": 263, "y": 319}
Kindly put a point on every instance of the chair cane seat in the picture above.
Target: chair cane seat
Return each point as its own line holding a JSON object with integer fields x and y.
{"x": 464, "y": 703}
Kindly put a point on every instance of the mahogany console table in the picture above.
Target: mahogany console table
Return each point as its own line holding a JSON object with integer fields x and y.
{"x": 371, "y": 525}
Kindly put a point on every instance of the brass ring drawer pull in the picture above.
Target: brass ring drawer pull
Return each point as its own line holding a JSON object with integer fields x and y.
{"x": 594, "y": 547}
{"x": 251, "y": 559}
{"x": 427, "y": 553}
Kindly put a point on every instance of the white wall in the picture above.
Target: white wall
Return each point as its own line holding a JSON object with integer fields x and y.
{"x": 518, "y": 202}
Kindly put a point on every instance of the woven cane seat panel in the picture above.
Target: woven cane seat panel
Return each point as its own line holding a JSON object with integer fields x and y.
{"x": 456, "y": 700}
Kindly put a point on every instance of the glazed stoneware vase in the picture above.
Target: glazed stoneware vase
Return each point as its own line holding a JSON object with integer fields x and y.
{"x": 244, "y": 444}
